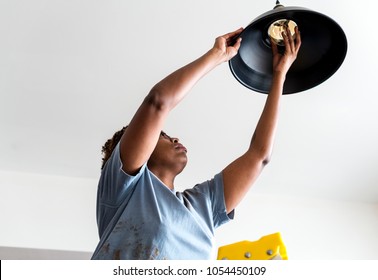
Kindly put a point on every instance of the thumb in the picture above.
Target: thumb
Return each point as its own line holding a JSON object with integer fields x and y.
{"x": 237, "y": 43}
{"x": 233, "y": 50}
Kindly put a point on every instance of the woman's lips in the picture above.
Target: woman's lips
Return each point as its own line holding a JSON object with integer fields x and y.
{"x": 180, "y": 147}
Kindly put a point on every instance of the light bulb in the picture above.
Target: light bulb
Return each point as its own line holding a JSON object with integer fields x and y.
{"x": 276, "y": 28}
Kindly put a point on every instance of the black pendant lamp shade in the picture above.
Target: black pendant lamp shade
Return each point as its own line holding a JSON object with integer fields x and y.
{"x": 323, "y": 49}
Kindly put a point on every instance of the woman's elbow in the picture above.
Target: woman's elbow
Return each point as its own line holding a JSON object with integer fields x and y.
{"x": 156, "y": 99}
{"x": 264, "y": 155}
{"x": 265, "y": 160}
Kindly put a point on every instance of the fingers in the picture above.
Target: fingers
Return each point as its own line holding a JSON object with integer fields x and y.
{"x": 283, "y": 62}
{"x": 288, "y": 40}
{"x": 237, "y": 44}
{"x": 298, "y": 39}
{"x": 291, "y": 45}
{"x": 228, "y": 44}
{"x": 229, "y": 39}
{"x": 232, "y": 34}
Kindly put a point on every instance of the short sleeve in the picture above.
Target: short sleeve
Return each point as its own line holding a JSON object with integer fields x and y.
{"x": 218, "y": 201}
{"x": 208, "y": 201}
{"x": 114, "y": 183}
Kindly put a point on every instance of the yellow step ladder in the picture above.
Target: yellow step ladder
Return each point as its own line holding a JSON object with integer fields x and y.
{"x": 269, "y": 247}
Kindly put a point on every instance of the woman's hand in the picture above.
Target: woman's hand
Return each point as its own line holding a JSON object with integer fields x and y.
{"x": 226, "y": 47}
{"x": 282, "y": 62}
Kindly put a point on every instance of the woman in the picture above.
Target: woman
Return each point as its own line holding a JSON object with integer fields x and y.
{"x": 139, "y": 213}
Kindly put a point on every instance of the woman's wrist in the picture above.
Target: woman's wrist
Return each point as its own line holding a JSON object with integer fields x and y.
{"x": 279, "y": 76}
{"x": 216, "y": 56}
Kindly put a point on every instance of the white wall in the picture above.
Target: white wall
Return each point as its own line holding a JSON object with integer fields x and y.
{"x": 50, "y": 212}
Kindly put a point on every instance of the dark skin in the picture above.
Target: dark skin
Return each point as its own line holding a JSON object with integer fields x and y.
{"x": 143, "y": 141}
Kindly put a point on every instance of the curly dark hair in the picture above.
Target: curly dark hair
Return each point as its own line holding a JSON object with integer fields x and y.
{"x": 110, "y": 144}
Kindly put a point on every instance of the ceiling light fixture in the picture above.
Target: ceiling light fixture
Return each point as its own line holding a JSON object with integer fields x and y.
{"x": 323, "y": 49}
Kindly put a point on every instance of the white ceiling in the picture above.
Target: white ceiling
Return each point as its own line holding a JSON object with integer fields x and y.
{"x": 73, "y": 72}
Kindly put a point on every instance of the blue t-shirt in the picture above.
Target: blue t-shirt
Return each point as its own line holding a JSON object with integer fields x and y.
{"x": 140, "y": 218}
